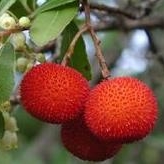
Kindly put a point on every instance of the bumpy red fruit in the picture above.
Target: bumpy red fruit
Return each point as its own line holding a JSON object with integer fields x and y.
{"x": 80, "y": 142}
{"x": 121, "y": 109}
{"x": 53, "y": 93}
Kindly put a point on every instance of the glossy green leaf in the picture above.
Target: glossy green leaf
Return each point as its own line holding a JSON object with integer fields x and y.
{"x": 7, "y": 59}
{"x": 5, "y": 5}
{"x": 79, "y": 58}
{"x": 48, "y": 25}
{"x": 52, "y": 4}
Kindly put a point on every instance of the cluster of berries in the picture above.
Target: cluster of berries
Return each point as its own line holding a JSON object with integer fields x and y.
{"x": 26, "y": 61}
{"x": 18, "y": 39}
{"x": 95, "y": 122}
{"x": 8, "y": 22}
{"x": 9, "y": 139}
{"x": 24, "y": 64}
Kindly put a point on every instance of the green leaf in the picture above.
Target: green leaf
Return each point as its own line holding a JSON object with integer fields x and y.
{"x": 48, "y": 25}
{"x": 18, "y": 10}
{"x": 7, "y": 59}
{"x": 5, "y": 5}
{"x": 79, "y": 59}
{"x": 52, "y": 4}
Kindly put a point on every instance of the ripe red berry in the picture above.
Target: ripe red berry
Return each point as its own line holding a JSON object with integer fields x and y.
{"x": 80, "y": 142}
{"x": 121, "y": 109}
{"x": 53, "y": 93}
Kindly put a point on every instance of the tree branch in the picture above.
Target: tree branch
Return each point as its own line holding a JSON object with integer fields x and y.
{"x": 8, "y": 32}
{"x": 96, "y": 41}
{"x": 113, "y": 10}
{"x": 136, "y": 13}
{"x": 127, "y": 25}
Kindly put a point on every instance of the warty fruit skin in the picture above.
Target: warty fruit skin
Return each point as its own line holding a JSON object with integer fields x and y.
{"x": 53, "y": 93}
{"x": 78, "y": 140}
{"x": 121, "y": 109}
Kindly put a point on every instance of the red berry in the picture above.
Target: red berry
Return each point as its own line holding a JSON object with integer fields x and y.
{"x": 53, "y": 93}
{"x": 80, "y": 142}
{"x": 121, "y": 109}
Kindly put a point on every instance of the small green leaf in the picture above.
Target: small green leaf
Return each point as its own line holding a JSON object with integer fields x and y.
{"x": 51, "y": 5}
{"x": 5, "y": 5}
{"x": 79, "y": 58}
{"x": 48, "y": 25}
{"x": 7, "y": 60}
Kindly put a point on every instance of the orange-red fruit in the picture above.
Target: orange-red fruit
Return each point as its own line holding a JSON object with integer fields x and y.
{"x": 80, "y": 142}
{"x": 53, "y": 93}
{"x": 121, "y": 109}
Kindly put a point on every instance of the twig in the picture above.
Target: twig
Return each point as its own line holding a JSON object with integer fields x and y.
{"x": 127, "y": 24}
{"x": 138, "y": 12}
{"x": 113, "y": 10}
{"x": 142, "y": 9}
{"x": 96, "y": 41}
{"x": 8, "y": 32}
{"x": 71, "y": 48}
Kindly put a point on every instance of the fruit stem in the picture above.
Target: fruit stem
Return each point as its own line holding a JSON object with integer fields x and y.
{"x": 8, "y": 32}
{"x": 104, "y": 69}
{"x": 71, "y": 48}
